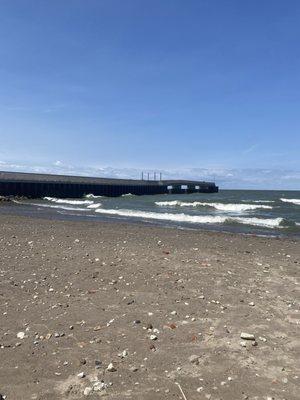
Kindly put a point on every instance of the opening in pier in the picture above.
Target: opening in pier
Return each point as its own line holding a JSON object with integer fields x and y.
{"x": 184, "y": 187}
{"x": 170, "y": 187}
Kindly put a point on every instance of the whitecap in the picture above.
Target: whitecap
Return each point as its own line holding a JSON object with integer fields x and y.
{"x": 197, "y": 219}
{"x": 263, "y": 222}
{"x": 65, "y": 201}
{"x": 96, "y": 205}
{"x": 92, "y": 196}
{"x": 293, "y": 201}
{"x": 217, "y": 206}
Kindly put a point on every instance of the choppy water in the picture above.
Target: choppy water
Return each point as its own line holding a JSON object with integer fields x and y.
{"x": 257, "y": 212}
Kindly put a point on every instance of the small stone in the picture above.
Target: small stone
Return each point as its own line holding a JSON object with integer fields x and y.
{"x": 98, "y": 364}
{"x": 262, "y": 339}
{"x": 20, "y": 335}
{"x": 251, "y": 304}
{"x": 243, "y": 343}
{"x": 149, "y": 326}
{"x": 247, "y": 336}
{"x": 133, "y": 369}
{"x": 81, "y": 375}
{"x": 87, "y": 391}
{"x": 111, "y": 368}
{"x": 123, "y": 354}
{"x": 136, "y": 321}
{"x": 194, "y": 359}
{"x": 174, "y": 313}
{"x": 153, "y": 337}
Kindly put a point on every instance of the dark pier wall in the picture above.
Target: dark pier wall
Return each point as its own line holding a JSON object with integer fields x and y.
{"x": 39, "y": 189}
{"x": 38, "y": 185}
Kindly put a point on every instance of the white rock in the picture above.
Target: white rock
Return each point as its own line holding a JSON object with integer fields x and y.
{"x": 111, "y": 367}
{"x": 153, "y": 337}
{"x": 81, "y": 375}
{"x": 20, "y": 335}
{"x": 174, "y": 313}
{"x": 247, "y": 336}
{"x": 87, "y": 391}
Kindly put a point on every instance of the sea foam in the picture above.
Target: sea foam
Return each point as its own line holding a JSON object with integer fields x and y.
{"x": 217, "y": 206}
{"x": 197, "y": 219}
{"x": 65, "y": 201}
{"x": 92, "y": 196}
{"x": 293, "y": 201}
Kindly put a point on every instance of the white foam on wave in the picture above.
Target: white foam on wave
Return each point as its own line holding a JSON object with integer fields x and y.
{"x": 196, "y": 219}
{"x": 217, "y": 206}
{"x": 293, "y": 201}
{"x": 65, "y": 201}
{"x": 260, "y": 201}
{"x": 92, "y": 196}
{"x": 127, "y": 195}
{"x": 263, "y": 222}
{"x": 96, "y": 205}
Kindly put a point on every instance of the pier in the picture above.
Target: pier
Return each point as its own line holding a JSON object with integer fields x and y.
{"x": 33, "y": 185}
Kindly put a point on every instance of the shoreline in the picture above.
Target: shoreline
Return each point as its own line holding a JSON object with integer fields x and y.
{"x": 162, "y": 305}
{"x": 34, "y": 211}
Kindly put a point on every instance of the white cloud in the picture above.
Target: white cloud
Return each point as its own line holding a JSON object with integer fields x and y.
{"x": 224, "y": 177}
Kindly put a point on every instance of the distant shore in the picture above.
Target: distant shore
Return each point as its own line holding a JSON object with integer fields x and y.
{"x": 126, "y": 310}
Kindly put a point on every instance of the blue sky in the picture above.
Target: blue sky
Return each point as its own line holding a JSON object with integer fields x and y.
{"x": 208, "y": 86}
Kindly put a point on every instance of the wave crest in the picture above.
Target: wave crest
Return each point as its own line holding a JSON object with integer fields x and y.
{"x": 197, "y": 219}
{"x": 293, "y": 201}
{"x": 65, "y": 201}
{"x": 218, "y": 206}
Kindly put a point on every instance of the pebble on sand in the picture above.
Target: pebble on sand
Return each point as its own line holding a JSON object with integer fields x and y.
{"x": 111, "y": 368}
{"x": 247, "y": 336}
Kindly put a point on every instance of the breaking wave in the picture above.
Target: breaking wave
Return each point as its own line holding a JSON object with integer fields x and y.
{"x": 217, "y": 206}
{"x": 96, "y": 205}
{"x": 293, "y": 201}
{"x": 65, "y": 201}
{"x": 196, "y": 219}
{"x": 92, "y": 196}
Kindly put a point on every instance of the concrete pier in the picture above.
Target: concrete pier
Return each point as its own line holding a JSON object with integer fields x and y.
{"x": 64, "y": 186}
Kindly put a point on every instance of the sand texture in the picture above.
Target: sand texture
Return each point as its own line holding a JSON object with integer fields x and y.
{"x": 127, "y": 311}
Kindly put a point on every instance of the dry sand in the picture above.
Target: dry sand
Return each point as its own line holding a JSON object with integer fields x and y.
{"x": 164, "y": 306}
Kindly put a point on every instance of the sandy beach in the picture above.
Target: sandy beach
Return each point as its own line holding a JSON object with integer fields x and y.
{"x": 92, "y": 309}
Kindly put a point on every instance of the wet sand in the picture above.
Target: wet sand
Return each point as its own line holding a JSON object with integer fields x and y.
{"x": 92, "y": 309}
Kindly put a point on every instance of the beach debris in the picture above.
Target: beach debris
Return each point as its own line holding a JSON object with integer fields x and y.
{"x": 182, "y": 392}
{"x": 111, "y": 368}
{"x": 247, "y": 336}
